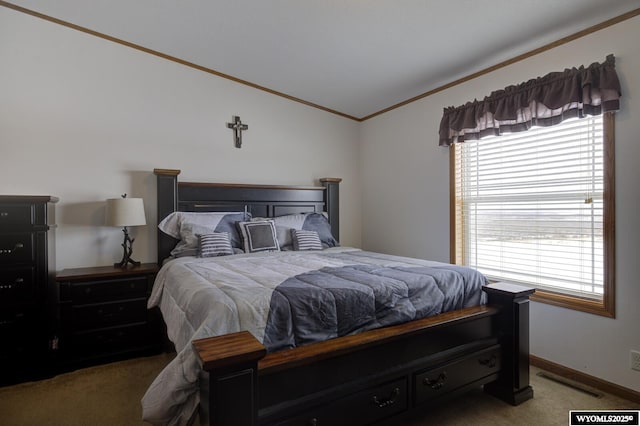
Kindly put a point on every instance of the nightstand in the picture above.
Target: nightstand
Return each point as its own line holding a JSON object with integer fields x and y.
{"x": 104, "y": 315}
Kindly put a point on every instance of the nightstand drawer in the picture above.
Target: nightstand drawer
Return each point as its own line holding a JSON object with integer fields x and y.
{"x": 120, "y": 288}
{"x": 17, "y": 214}
{"x": 16, "y": 248}
{"x": 16, "y": 285}
{"x": 110, "y": 340}
{"x": 435, "y": 382}
{"x": 86, "y": 317}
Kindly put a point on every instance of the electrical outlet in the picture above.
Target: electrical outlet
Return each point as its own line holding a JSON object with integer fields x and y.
{"x": 635, "y": 360}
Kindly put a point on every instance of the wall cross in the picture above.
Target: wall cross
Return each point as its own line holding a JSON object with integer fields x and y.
{"x": 238, "y": 126}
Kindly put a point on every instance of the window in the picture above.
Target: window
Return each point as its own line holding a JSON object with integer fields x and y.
{"x": 537, "y": 208}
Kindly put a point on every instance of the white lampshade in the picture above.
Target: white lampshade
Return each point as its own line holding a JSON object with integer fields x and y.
{"x": 125, "y": 212}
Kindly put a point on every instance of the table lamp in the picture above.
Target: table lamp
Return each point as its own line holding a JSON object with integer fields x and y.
{"x": 125, "y": 212}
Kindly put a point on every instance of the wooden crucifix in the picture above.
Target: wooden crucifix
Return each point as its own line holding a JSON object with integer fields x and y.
{"x": 238, "y": 126}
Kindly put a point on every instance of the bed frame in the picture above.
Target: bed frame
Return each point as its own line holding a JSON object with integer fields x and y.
{"x": 375, "y": 376}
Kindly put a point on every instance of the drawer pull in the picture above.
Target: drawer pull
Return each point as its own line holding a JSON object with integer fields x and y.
{"x": 9, "y": 251}
{"x": 12, "y": 285}
{"x": 436, "y": 383}
{"x": 489, "y": 362}
{"x": 313, "y": 422}
{"x": 395, "y": 393}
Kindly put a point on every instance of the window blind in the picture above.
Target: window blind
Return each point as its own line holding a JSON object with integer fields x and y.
{"x": 529, "y": 207}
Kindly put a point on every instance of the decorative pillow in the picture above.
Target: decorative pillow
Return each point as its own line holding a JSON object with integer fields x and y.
{"x": 305, "y": 240}
{"x": 306, "y": 221}
{"x": 259, "y": 235}
{"x": 215, "y": 244}
{"x": 186, "y": 226}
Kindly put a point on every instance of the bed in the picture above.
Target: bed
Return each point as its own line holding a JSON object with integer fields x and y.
{"x": 238, "y": 364}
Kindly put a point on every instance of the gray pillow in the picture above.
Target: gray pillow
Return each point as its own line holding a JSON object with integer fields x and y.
{"x": 258, "y": 235}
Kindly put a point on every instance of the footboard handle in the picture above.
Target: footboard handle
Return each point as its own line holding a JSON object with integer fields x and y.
{"x": 512, "y": 327}
{"x": 232, "y": 363}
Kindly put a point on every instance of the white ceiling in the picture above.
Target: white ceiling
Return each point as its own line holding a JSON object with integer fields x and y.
{"x": 355, "y": 57}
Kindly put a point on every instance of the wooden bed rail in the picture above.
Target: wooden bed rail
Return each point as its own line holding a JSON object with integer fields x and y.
{"x": 236, "y": 348}
{"x": 238, "y": 364}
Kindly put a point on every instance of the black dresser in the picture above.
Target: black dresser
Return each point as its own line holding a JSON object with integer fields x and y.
{"x": 27, "y": 290}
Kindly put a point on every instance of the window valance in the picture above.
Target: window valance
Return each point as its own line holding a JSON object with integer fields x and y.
{"x": 544, "y": 101}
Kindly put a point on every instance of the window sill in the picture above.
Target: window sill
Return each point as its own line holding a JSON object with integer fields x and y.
{"x": 603, "y": 307}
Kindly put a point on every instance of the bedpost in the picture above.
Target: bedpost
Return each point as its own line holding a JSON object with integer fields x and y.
{"x": 167, "y": 197}
{"x": 512, "y": 328}
{"x": 232, "y": 363}
{"x": 332, "y": 203}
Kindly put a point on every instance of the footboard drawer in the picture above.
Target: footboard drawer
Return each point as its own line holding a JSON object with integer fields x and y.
{"x": 439, "y": 381}
{"x": 363, "y": 407}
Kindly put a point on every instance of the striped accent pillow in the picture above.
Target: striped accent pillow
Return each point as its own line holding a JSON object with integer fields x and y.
{"x": 215, "y": 244}
{"x": 305, "y": 240}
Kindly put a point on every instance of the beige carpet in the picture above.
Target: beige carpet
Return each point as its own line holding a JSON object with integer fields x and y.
{"x": 110, "y": 395}
{"x": 103, "y": 395}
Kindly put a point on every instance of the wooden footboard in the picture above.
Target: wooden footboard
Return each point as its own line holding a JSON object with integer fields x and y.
{"x": 373, "y": 375}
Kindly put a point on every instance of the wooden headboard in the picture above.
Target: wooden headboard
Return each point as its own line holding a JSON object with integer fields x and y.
{"x": 259, "y": 200}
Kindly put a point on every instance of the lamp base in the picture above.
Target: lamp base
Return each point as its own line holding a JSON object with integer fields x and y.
{"x": 124, "y": 265}
{"x": 127, "y": 245}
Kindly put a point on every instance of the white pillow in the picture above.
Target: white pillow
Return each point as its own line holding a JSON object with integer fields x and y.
{"x": 170, "y": 225}
{"x": 185, "y": 226}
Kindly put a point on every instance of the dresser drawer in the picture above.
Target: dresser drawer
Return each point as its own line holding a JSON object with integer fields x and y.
{"x": 15, "y": 321}
{"x": 363, "y": 407}
{"x": 17, "y": 214}
{"x": 111, "y": 289}
{"x": 435, "y": 382}
{"x": 21, "y": 338}
{"x": 24, "y": 344}
{"x": 16, "y": 248}
{"x": 109, "y": 340}
{"x": 17, "y": 349}
{"x": 86, "y": 317}
{"x": 16, "y": 285}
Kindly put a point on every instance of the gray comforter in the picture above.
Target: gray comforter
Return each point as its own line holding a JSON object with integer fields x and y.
{"x": 288, "y": 299}
{"x": 337, "y": 301}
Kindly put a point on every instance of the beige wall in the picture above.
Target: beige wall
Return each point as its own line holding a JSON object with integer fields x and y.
{"x": 85, "y": 119}
{"x": 406, "y": 198}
